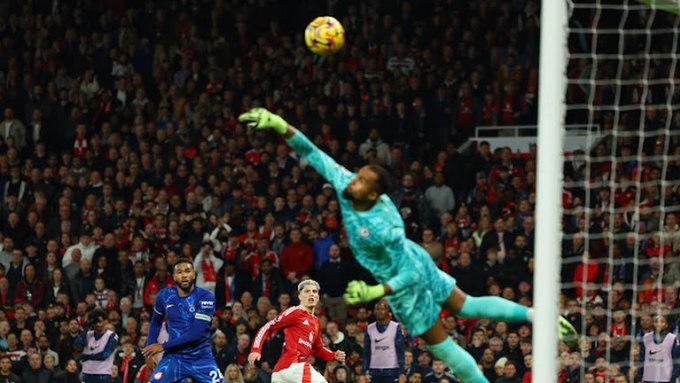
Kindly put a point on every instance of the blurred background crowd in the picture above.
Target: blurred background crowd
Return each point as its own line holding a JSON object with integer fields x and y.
{"x": 120, "y": 151}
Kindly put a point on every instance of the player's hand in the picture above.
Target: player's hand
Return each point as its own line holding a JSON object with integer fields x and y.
{"x": 151, "y": 363}
{"x": 253, "y": 357}
{"x": 360, "y": 292}
{"x": 152, "y": 350}
{"x": 340, "y": 356}
{"x": 261, "y": 118}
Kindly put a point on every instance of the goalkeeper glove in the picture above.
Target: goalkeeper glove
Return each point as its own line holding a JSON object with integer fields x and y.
{"x": 359, "y": 291}
{"x": 567, "y": 333}
{"x": 261, "y": 118}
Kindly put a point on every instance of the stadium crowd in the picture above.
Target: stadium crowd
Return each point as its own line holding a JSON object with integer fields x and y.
{"x": 121, "y": 152}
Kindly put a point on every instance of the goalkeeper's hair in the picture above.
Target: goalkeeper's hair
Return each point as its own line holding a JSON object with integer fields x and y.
{"x": 384, "y": 182}
{"x": 307, "y": 282}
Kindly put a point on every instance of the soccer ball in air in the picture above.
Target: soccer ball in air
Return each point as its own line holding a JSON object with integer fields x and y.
{"x": 324, "y": 35}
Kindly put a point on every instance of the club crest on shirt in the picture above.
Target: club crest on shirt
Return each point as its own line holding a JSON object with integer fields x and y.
{"x": 158, "y": 375}
{"x": 192, "y": 308}
{"x": 364, "y": 233}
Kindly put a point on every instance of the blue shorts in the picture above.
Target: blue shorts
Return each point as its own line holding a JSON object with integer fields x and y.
{"x": 418, "y": 306}
{"x": 174, "y": 368}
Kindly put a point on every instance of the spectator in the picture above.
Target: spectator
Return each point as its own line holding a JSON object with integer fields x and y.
{"x": 36, "y": 372}
{"x": 207, "y": 266}
{"x": 334, "y": 277}
{"x": 220, "y": 351}
{"x": 440, "y": 196}
{"x": 297, "y": 258}
{"x": 12, "y": 127}
{"x": 128, "y": 361}
{"x": 6, "y": 374}
{"x": 232, "y": 374}
{"x": 44, "y": 349}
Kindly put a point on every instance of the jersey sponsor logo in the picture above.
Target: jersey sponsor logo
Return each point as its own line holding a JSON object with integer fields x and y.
{"x": 206, "y": 304}
{"x": 379, "y": 340}
{"x": 654, "y": 352}
{"x": 364, "y": 233}
{"x": 305, "y": 322}
{"x": 304, "y": 342}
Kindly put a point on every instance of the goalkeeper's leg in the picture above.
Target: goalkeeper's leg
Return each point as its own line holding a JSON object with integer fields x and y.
{"x": 500, "y": 309}
{"x": 444, "y": 348}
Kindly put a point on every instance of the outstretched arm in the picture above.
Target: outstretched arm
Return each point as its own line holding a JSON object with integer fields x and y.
{"x": 260, "y": 118}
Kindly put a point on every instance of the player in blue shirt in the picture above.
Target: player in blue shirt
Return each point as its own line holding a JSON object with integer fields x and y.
{"x": 414, "y": 286}
{"x": 189, "y": 311}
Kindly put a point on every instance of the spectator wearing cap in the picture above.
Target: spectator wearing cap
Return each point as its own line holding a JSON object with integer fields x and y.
{"x": 207, "y": 265}
{"x": 334, "y": 276}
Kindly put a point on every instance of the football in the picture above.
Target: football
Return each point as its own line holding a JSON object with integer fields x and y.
{"x": 324, "y": 35}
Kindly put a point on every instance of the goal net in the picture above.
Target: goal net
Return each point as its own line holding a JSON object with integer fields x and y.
{"x": 621, "y": 217}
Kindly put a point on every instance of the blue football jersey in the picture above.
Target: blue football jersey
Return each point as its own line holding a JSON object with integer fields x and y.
{"x": 182, "y": 313}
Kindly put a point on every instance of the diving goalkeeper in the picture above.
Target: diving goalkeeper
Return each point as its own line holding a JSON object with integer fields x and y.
{"x": 414, "y": 286}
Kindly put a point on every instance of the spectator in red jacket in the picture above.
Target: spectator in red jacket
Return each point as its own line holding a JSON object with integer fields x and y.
{"x": 297, "y": 258}
{"x": 159, "y": 281}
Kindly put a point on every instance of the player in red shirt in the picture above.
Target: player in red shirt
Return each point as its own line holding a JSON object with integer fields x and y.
{"x": 302, "y": 339}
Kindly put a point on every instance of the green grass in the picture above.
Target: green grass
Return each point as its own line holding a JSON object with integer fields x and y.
{"x": 664, "y": 5}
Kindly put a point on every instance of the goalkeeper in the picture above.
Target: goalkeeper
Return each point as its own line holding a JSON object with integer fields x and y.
{"x": 414, "y": 286}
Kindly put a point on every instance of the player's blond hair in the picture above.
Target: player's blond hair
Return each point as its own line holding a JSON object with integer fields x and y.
{"x": 306, "y": 282}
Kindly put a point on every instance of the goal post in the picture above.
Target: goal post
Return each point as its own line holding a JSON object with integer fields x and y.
{"x": 547, "y": 247}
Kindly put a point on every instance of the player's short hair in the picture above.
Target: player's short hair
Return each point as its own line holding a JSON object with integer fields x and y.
{"x": 182, "y": 260}
{"x": 306, "y": 282}
{"x": 384, "y": 182}
{"x": 96, "y": 314}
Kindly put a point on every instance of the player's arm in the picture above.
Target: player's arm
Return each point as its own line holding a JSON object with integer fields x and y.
{"x": 400, "y": 349}
{"x": 81, "y": 339}
{"x": 284, "y": 319}
{"x": 675, "y": 354}
{"x": 156, "y": 319}
{"x": 260, "y": 118}
{"x": 109, "y": 349}
{"x": 199, "y": 326}
{"x": 395, "y": 246}
{"x": 367, "y": 352}
{"x": 322, "y": 352}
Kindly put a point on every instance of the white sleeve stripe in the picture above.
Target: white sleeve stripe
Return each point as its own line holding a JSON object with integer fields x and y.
{"x": 159, "y": 313}
{"x": 203, "y": 317}
{"x": 265, "y": 328}
{"x": 260, "y": 334}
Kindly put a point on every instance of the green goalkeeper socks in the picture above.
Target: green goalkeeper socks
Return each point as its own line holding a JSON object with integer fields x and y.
{"x": 494, "y": 308}
{"x": 461, "y": 363}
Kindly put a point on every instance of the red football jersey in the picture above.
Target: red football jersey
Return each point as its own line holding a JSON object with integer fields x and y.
{"x": 302, "y": 337}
